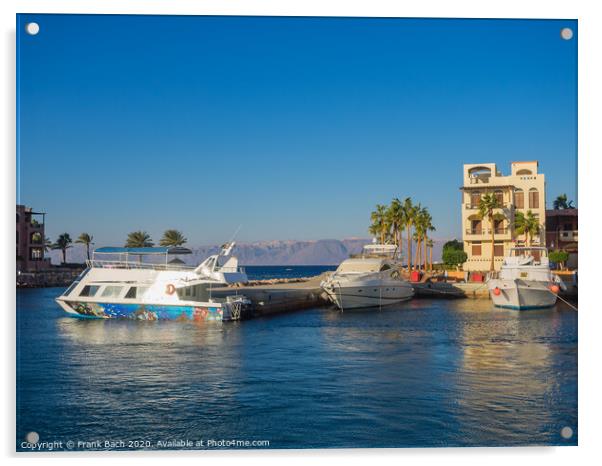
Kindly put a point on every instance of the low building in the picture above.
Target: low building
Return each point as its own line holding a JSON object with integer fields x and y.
{"x": 562, "y": 233}
{"x": 521, "y": 191}
{"x": 30, "y": 240}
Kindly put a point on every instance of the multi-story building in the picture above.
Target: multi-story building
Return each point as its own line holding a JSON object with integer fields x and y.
{"x": 562, "y": 233}
{"x": 30, "y": 240}
{"x": 522, "y": 190}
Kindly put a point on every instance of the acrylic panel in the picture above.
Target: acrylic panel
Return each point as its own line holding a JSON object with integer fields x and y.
{"x": 295, "y": 232}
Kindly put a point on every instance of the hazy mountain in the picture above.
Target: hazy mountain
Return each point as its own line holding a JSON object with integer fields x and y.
{"x": 278, "y": 252}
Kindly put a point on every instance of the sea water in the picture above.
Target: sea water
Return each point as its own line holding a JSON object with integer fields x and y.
{"x": 425, "y": 373}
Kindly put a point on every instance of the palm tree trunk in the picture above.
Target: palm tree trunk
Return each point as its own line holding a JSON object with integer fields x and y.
{"x": 431, "y": 259}
{"x": 492, "y": 267}
{"x": 417, "y": 256}
{"x": 409, "y": 227}
{"x": 64, "y": 255}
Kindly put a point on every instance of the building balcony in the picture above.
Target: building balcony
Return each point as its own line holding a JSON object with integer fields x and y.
{"x": 568, "y": 235}
{"x": 469, "y": 206}
{"x": 485, "y": 233}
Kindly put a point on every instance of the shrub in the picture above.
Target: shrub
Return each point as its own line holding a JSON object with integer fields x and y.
{"x": 453, "y": 256}
{"x": 559, "y": 257}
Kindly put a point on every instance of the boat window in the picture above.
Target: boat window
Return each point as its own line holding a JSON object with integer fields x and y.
{"x": 385, "y": 267}
{"x": 89, "y": 290}
{"x": 112, "y": 291}
{"x": 136, "y": 292}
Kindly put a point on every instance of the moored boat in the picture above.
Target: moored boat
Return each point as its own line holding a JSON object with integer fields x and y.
{"x": 127, "y": 287}
{"x": 525, "y": 280}
{"x": 371, "y": 280}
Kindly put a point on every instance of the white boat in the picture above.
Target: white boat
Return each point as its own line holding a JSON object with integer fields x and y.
{"x": 159, "y": 289}
{"x": 525, "y": 280}
{"x": 371, "y": 280}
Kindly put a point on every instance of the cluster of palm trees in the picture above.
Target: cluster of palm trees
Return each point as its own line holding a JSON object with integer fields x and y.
{"x": 141, "y": 239}
{"x": 135, "y": 239}
{"x": 389, "y": 222}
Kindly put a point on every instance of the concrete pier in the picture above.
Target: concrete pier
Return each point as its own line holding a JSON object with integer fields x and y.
{"x": 281, "y": 297}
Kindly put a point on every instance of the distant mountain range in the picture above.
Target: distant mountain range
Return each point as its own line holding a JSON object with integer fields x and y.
{"x": 278, "y": 252}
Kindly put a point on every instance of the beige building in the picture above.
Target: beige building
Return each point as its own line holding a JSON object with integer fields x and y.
{"x": 522, "y": 190}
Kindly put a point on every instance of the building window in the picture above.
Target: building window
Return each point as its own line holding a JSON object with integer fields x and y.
{"x": 36, "y": 254}
{"x": 476, "y": 248}
{"x": 533, "y": 199}
{"x": 476, "y": 227}
{"x": 18, "y": 218}
{"x": 499, "y": 195}
{"x": 519, "y": 199}
{"x": 475, "y": 198}
{"x": 498, "y": 249}
{"x": 498, "y": 227}
{"x": 35, "y": 238}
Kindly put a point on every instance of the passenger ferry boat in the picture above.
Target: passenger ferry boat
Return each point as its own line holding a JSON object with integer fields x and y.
{"x": 160, "y": 289}
{"x": 371, "y": 280}
{"x": 525, "y": 280}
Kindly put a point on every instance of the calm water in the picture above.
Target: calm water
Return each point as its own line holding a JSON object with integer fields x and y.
{"x": 426, "y": 373}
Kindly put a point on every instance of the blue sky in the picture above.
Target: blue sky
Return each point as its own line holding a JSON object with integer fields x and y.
{"x": 293, "y": 128}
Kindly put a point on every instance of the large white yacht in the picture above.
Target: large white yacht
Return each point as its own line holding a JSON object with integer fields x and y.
{"x": 372, "y": 279}
{"x": 162, "y": 287}
{"x": 525, "y": 280}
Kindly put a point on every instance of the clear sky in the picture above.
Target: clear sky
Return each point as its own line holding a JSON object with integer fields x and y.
{"x": 293, "y": 128}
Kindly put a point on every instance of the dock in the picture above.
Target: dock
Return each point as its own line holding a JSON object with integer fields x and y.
{"x": 274, "y": 298}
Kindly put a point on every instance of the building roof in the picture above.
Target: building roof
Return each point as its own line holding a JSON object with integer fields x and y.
{"x": 562, "y": 213}
{"x": 143, "y": 251}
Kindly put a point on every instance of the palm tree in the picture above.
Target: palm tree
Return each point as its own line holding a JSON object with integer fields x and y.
{"x": 47, "y": 244}
{"x": 86, "y": 240}
{"x": 396, "y": 219}
{"x": 487, "y": 206}
{"x": 139, "y": 239}
{"x": 426, "y": 227}
{"x": 527, "y": 225}
{"x": 379, "y": 222}
{"x": 63, "y": 243}
{"x": 409, "y": 214}
{"x": 561, "y": 202}
{"x": 172, "y": 238}
{"x": 429, "y": 244}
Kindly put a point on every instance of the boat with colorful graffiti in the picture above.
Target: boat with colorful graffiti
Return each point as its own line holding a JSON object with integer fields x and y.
{"x": 162, "y": 286}
{"x": 525, "y": 280}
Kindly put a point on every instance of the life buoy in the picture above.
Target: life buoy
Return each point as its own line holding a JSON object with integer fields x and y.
{"x": 554, "y": 288}
{"x": 170, "y": 289}
{"x": 496, "y": 291}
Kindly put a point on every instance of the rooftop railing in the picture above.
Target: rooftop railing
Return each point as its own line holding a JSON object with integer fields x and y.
{"x": 116, "y": 264}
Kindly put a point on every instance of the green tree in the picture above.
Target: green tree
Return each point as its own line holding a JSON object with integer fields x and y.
{"x": 396, "y": 219}
{"x": 379, "y": 221}
{"x": 86, "y": 240}
{"x": 453, "y": 244}
{"x": 172, "y": 238}
{"x": 139, "y": 239}
{"x": 559, "y": 257}
{"x": 63, "y": 243}
{"x": 410, "y": 212}
{"x": 527, "y": 225}
{"x": 453, "y": 256}
{"x": 487, "y": 206}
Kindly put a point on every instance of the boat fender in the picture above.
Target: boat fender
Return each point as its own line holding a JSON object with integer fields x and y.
{"x": 496, "y": 291}
{"x": 554, "y": 289}
{"x": 170, "y": 289}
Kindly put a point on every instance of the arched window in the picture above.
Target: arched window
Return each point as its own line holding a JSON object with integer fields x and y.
{"x": 519, "y": 198}
{"x": 524, "y": 171}
{"x": 35, "y": 238}
{"x": 533, "y": 198}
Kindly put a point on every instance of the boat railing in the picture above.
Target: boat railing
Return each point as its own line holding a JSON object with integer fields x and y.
{"x": 116, "y": 264}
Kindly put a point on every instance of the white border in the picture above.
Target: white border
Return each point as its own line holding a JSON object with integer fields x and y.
{"x": 590, "y": 155}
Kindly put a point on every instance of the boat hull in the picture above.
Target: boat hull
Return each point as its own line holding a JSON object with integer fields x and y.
{"x": 151, "y": 312}
{"x": 356, "y": 297}
{"x": 521, "y": 294}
